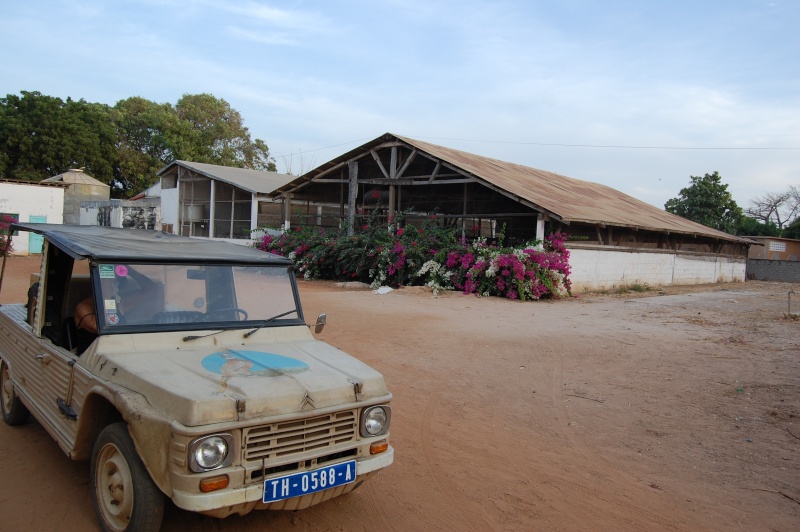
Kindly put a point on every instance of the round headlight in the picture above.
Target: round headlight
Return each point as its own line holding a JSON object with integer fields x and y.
{"x": 210, "y": 452}
{"x": 375, "y": 420}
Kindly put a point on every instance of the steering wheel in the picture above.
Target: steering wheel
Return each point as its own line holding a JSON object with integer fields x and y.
{"x": 221, "y": 311}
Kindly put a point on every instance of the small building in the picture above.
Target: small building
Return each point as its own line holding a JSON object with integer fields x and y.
{"x": 213, "y": 201}
{"x": 81, "y": 187}
{"x": 775, "y": 259}
{"x": 27, "y": 201}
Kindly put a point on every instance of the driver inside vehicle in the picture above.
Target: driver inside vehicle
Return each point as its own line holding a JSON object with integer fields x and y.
{"x": 86, "y": 316}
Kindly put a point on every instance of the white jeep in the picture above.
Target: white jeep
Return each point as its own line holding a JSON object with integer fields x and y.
{"x": 183, "y": 368}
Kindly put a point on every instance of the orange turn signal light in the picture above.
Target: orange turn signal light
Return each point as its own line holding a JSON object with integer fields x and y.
{"x": 378, "y": 447}
{"x": 214, "y": 483}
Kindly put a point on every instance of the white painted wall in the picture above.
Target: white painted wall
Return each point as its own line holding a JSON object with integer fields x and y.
{"x": 169, "y": 207}
{"x": 597, "y": 268}
{"x": 31, "y": 200}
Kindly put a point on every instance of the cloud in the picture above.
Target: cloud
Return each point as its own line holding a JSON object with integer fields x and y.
{"x": 281, "y": 39}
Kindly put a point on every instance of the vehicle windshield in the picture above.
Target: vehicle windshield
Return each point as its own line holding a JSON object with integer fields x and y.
{"x": 181, "y": 296}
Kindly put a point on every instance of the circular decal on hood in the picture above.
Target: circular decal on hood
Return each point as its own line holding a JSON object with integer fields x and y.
{"x": 252, "y": 363}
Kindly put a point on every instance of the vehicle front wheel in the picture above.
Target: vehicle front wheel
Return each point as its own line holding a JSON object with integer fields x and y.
{"x": 14, "y": 412}
{"x": 125, "y": 497}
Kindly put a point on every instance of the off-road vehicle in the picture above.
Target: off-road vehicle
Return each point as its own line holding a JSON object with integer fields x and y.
{"x": 184, "y": 368}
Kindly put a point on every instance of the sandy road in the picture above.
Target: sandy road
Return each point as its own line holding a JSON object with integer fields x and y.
{"x": 664, "y": 412}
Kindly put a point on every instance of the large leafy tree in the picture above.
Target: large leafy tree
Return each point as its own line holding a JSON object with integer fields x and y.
{"x": 146, "y": 134}
{"x": 41, "y": 136}
{"x": 216, "y": 134}
{"x": 707, "y": 201}
{"x": 124, "y": 145}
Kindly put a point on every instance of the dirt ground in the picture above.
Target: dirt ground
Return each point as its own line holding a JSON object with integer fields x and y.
{"x": 674, "y": 409}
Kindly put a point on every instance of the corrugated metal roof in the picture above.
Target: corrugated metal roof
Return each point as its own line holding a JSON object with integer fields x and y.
{"x": 568, "y": 199}
{"x": 254, "y": 181}
{"x": 75, "y": 176}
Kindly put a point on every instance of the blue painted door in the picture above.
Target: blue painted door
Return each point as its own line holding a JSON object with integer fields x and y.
{"x": 35, "y": 242}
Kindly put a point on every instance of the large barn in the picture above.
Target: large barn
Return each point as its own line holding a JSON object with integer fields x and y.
{"x": 615, "y": 239}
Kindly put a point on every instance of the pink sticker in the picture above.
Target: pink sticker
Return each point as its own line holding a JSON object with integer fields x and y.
{"x": 121, "y": 270}
{"x": 112, "y": 319}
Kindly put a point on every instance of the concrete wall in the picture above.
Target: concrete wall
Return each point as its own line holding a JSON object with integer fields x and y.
{"x": 602, "y": 267}
{"x": 78, "y": 193}
{"x": 773, "y": 270}
{"x": 140, "y": 214}
{"x": 30, "y": 199}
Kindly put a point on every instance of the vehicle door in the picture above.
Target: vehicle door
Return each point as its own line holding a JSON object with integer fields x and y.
{"x": 57, "y": 362}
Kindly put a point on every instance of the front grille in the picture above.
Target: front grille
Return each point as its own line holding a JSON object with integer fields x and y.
{"x": 288, "y": 438}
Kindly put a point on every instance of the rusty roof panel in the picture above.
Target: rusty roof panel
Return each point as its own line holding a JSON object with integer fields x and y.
{"x": 572, "y": 200}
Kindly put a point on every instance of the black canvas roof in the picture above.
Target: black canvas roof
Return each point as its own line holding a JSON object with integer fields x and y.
{"x": 131, "y": 245}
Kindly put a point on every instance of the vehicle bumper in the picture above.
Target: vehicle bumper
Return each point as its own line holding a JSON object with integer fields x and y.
{"x": 245, "y": 499}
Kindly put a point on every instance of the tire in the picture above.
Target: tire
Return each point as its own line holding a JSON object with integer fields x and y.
{"x": 125, "y": 497}
{"x": 14, "y": 412}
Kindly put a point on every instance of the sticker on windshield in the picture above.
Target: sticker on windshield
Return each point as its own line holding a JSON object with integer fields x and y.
{"x": 121, "y": 270}
{"x": 112, "y": 319}
{"x": 106, "y": 271}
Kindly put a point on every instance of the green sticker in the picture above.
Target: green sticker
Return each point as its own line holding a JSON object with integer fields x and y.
{"x": 106, "y": 271}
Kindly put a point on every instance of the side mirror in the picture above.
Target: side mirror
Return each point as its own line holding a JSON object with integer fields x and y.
{"x": 322, "y": 319}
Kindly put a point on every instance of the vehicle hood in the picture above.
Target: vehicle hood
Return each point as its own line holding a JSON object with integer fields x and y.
{"x": 227, "y": 378}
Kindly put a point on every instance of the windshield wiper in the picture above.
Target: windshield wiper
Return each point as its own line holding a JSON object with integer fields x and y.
{"x": 273, "y": 318}
{"x": 195, "y": 337}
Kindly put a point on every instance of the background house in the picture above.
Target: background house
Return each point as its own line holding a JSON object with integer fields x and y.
{"x": 615, "y": 238}
{"x": 777, "y": 259}
{"x": 27, "y": 201}
{"x": 208, "y": 200}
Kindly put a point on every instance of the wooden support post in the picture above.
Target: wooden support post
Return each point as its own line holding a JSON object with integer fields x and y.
{"x": 287, "y": 211}
{"x": 253, "y": 212}
{"x": 392, "y": 188}
{"x": 540, "y": 227}
{"x": 211, "y": 210}
{"x": 464, "y": 215}
{"x": 352, "y": 196}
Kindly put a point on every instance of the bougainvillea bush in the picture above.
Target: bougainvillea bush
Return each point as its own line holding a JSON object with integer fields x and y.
{"x": 430, "y": 255}
{"x": 5, "y": 235}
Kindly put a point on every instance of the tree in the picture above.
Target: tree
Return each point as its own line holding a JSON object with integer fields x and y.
{"x": 41, "y": 136}
{"x": 780, "y": 208}
{"x": 793, "y": 230}
{"x": 749, "y": 226}
{"x": 708, "y": 202}
{"x": 125, "y": 145}
{"x": 217, "y": 135}
{"x": 146, "y": 134}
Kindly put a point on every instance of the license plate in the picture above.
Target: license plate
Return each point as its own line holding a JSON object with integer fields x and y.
{"x": 297, "y": 484}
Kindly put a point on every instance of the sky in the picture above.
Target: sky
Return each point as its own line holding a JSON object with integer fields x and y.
{"x": 636, "y": 95}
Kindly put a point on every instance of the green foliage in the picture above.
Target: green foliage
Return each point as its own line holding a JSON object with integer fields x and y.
{"x": 708, "y": 202}
{"x": 41, "y": 136}
{"x": 749, "y": 226}
{"x": 425, "y": 254}
{"x": 125, "y": 145}
{"x": 216, "y": 134}
{"x": 793, "y": 231}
